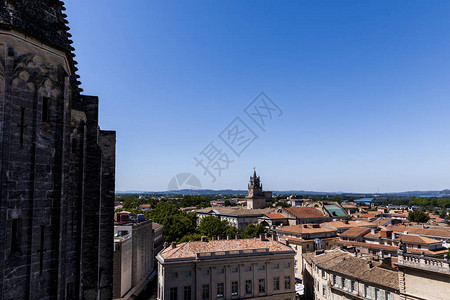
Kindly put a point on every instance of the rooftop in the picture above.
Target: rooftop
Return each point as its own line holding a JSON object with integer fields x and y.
{"x": 304, "y": 229}
{"x": 275, "y": 216}
{"x": 348, "y": 224}
{"x": 156, "y": 226}
{"x": 415, "y": 239}
{"x": 218, "y": 247}
{"x": 445, "y": 233}
{"x": 235, "y": 211}
{"x": 389, "y": 248}
{"x": 305, "y": 212}
{"x": 335, "y": 211}
{"x": 338, "y": 261}
{"x": 355, "y": 232}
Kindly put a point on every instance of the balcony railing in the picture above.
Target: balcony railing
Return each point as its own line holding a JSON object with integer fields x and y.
{"x": 423, "y": 262}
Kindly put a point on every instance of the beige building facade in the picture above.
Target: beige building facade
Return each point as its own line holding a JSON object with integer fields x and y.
{"x": 423, "y": 277}
{"x": 226, "y": 269}
{"x": 339, "y": 275}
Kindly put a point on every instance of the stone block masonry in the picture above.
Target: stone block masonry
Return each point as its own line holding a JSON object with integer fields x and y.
{"x": 57, "y": 169}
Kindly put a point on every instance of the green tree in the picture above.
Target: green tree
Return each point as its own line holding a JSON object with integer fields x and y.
{"x": 282, "y": 204}
{"x": 227, "y": 203}
{"x": 252, "y": 231}
{"x": 418, "y": 216}
{"x": 212, "y": 226}
{"x": 176, "y": 223}
{"x": 191, "y": 238}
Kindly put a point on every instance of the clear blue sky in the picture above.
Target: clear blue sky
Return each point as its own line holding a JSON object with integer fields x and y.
{"x": 363, "y": 85}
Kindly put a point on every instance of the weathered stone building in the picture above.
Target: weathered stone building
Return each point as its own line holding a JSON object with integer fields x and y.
{"x": 57, "y": 168}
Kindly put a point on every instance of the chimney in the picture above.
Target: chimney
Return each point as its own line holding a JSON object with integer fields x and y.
{"x": 372, "y": 230}
{"x": 237, "y": 236}
{"x": 213, "y": 238}
{"x": 174, "y": 245}
{"x": 274, "y": 237}
{"x": 166, "y": 244}
{"x": 370, "y": 264}
{"x": 228, "y": 237}
{"x": 204, "y": 240}
{"x": 262, "y": 237}
{"x": 287, "y": 242}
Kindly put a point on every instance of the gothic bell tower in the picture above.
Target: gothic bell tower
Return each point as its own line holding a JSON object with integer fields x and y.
{"x": 255, "y": 197}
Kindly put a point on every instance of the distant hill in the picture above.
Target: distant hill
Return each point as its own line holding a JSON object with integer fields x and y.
{"x": 231, "y": 192}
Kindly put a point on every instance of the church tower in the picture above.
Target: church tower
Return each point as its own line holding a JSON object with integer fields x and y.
{"x": 255, "y": 198}
{"x": 56, "y": 166}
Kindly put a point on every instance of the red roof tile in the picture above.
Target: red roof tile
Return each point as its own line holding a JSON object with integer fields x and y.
{"x": 276, "y": 216}
{"x": 190, "y": 249}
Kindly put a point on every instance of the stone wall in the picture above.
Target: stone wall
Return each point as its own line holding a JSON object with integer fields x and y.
{"x": 56, "y": 167}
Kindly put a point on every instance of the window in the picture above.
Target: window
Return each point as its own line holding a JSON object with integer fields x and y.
{"x": 287, "y": 282}
{"x": 324, "y": 275}
{"x": 234, "y": 269}
{"x": 324, "y": 290}
{"x": 261, "y": 267}
{"x": 262, "y": 285}
{"x": 187, "y": 293}
{"x": 187, "y": 274}
{"x": 368, "y": 292}
{"x": 206, "y": 272}
{"x": 276, "y": 284}
{"x": 205, "y": 292}
{"x": 248, "y": 268}
{"x": 338, "y": 281}
{"x": 173, "y": 275}
{"x": 389, "y": 296}
{"x": 173, "y": 293}
{"x": 379, "y": 294}
{"x": 45, "y": 101}
{"x": 234, "y": 288}
{"x": 248, "y": 286}
{"x": 346, "y": 284}
{"x": 355, "y": 287}
{"x": 276, "y": 266}
{"x": 14, "y": 235}
{"x": 220, "y": 271}
{"x": 220, "y": 289}
{"x": 287, "y": 265}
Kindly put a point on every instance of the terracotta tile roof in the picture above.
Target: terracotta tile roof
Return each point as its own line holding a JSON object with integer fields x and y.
{"x": 300, "y": 240}
{"x": 372, "y": 236}
{"x": 304, "y": 229}
{"x": 445, "y": 233}
{"x": 276, "y": 216}
{"x": 237, "y": 211}
{"x": 347, "y": 265}
{"x": 390, "y": 248}
{"x": 305, "y": 212}
{"x": 190, "y": 249}
{"x": 355, "y": 232}
{"x": 343, "y": 224}
{"x": 415, "y": 239}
